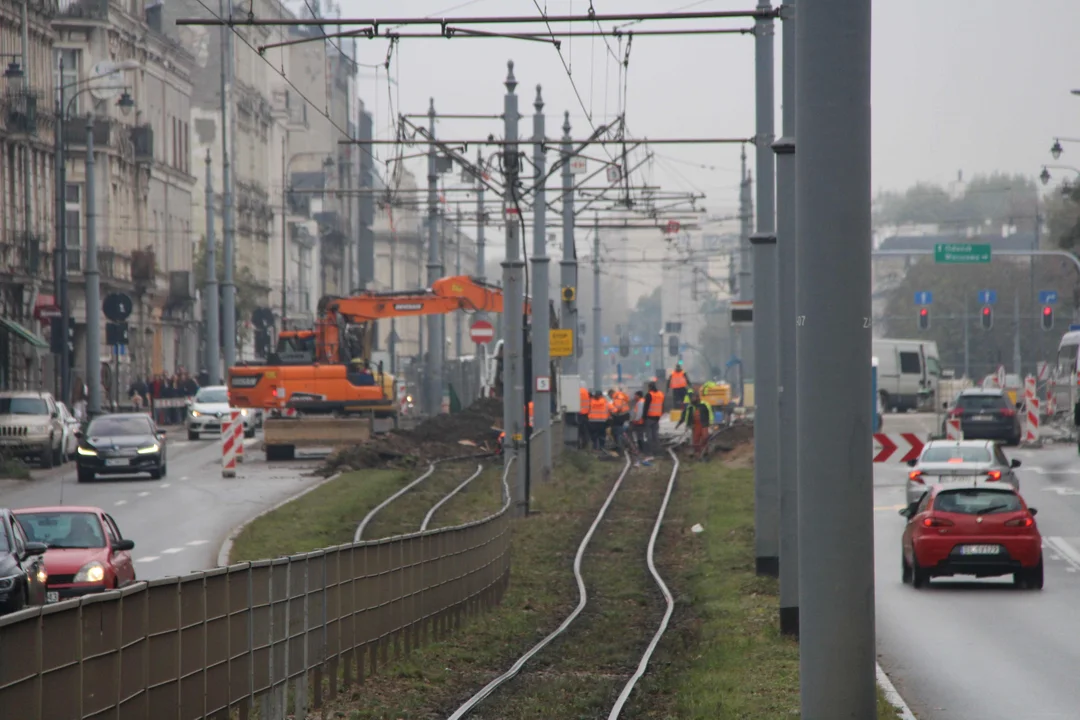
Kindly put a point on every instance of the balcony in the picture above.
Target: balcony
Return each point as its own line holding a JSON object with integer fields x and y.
{"x": 104, "y": 132}
{"x": 23, "y": 254}
{"x": 82, "y": 9}
{"x": 20, "y": 110}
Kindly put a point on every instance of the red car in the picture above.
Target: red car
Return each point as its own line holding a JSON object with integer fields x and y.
{"x": 86, "y": 552}
{"x": 982, "y": 530}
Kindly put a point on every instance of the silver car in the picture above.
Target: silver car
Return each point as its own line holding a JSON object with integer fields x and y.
{"x": 209, "y": 407}
{"x": 947, "y": 462}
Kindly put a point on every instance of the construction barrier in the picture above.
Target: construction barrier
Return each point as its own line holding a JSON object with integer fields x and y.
{"x": 238, "y": 433}
{"x": 953, "y": 430}
{"x": 1031, "y": 431}
{"x": 229, "y": 443}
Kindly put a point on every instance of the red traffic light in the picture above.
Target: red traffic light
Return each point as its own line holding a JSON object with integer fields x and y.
{"x": 924, "y": 312}
{"x": 986, "y": 311}
{"x": 1047, "y": 311}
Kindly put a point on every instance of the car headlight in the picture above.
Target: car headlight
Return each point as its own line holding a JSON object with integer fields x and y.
{"x": 91, "y": 572}
{"x": 89, "y": 452}
{"x": 42, "y": 576}
{"x": 195, "y": 413}
{"x": 244, "y": 412}
{"x": 6, "y": 583}
{"x": 151, "y": 449}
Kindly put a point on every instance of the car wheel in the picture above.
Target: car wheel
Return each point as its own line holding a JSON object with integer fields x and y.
{"x": 920, "y": 578}
{"x": 47, "y": 457}
{"x": 192, "y": 435}
{"x": 1030, "y": 578}
{"x": 85, "y": 475}
{"x": 905, "y": 569}
{"x": 156, "y": 474}
{"x": 58, "y": 455}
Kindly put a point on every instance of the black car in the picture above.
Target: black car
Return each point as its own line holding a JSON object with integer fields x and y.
{"x": 121, "y": 444}
{"x": 22, "y": 567}
{"x": 986, "y": 414}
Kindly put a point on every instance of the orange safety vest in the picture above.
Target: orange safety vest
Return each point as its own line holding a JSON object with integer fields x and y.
{"x": 621, "y": 402}
{"x": 599, "y": 410}
{"x": 656, "y": 403}
{"x": 585, "y": 400}
{"x": 530, "y": 413}
{"x": 678, "y": 379}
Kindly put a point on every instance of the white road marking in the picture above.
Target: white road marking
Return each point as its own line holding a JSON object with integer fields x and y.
{"x": 173, "y": 551}
{"x": 184, "y": 477}
{"x": 198, "y": 542}
{"x": 144, "y": 493}
{"x": 164, "y": 485}
{"x": 1067, "y": 551}
{"x": 892, "y": 696}
{"x": 1062, "y": 490}
{"x": 120, "y": 502}
{"x": 149, "y": 558}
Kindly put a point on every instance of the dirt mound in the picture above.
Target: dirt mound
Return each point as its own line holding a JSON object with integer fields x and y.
{"x": 469, "y": 432}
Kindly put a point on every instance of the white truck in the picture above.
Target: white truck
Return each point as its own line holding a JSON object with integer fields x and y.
{"x": 908, "y": 374}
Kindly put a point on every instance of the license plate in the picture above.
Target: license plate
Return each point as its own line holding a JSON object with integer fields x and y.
{"x": 115, "y": 462}
{"x": 982, "y": 417}
{"x": 51, "y": 597}
{"x": 979, "y": 550}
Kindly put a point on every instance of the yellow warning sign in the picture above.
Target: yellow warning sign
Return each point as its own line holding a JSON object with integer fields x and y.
{"x": 562, "y": 343}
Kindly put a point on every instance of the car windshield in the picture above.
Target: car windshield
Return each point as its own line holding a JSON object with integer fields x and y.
{"x": 955, "y": 454}
{"x": 981, "y": 402}
{"x": 119, "y": 426}
{"x": 23, "y": 406}
{"x": 63, "y": 530}
{"x": 977, "y": 502}
{"x": 212, "y": 396}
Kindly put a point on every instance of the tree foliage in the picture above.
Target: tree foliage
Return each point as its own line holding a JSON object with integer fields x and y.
{"x": 989, "y": 202}
{"x": 1062, "y": 208}
{"x": 250, "y": 294}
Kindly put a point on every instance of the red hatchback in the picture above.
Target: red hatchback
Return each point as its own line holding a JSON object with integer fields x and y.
{"x": 86, "y": 552}
{"x": 977, "y": 530}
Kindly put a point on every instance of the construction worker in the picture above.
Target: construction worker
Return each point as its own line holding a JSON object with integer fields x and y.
{"x": 530, "y": 413}
{"x": 678, "y": 383}
{"x": 620, "y": 413}
{"x": 637, "y": 419}
{"x": 583, "y": 420}
{"x": 654, "y": 409}
{"x": 698, "y": 416}
{"x": 599, "y": 415}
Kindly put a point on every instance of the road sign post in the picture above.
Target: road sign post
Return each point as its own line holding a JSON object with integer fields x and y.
{"x": 961, "y": 253}
{"x": 482, "y": 332}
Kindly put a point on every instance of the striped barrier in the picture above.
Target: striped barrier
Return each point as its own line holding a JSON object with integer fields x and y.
{"x": 229, "y": 442}
{"x": 953, "y": 430}
{"x": 1031, "y": 412}
{"x": 238, "y": 432}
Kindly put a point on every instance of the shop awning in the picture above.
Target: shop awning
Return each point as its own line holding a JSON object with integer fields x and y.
{"x": 19, "y": 331}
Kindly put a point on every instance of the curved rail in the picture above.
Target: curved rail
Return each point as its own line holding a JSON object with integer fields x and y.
{"x": 668, "y": 599}
{"x": 583, "y": 598}
{"x": 375, "y": 511}
{"x": 452, "y": 493}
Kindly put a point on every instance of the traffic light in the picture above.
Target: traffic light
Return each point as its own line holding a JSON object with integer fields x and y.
{"x": 56, "y": 336}
{"x": 924, "y": 318}
{"x": 1048, "y": 318}
{"x": 987, "y": 317}
{"x": 624, "y": 346}
{"x": 673, "y": 345}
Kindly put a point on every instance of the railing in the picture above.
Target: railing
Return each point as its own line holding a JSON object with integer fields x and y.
{"x": 86, "y": 9}
{"x": 264, "y": 633}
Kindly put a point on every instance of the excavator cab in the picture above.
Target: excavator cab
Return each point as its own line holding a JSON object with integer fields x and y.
{"x": 294, "y": 347}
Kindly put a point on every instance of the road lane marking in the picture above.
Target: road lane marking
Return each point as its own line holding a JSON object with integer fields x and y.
{"x": 1061, "y": 490}
{"x": 889, "y": 507}
{"x": 164, "y": 485}
{"x": 892, "y": 696}
{"x": 144, "y": 493}
{"x": 1067, "y": 551}
{"x": 149, "y": 558}
{"x": 185, "y": 477}
{"x": 120, "y": 502}
{"x": 172, "y": 551}
{"x": 198, "y": 542}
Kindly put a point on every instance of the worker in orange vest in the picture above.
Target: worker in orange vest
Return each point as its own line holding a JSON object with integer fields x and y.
{"x": 599, "y": 415}
{"x": 698, "y": 416}
{"x": 654, "y": 408}
{"x": 678, "y": 383}
{"x": 620, "y": 414}
{"x": 530, "y": 413}
{"x": 583, "y": 420}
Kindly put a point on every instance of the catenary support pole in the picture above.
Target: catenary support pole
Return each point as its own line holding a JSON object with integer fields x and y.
{"x": 1017, "y": 367}
{"x": 93, "y": 283}
{"x": 837, "y": 668}
{"x": 597, "y": 369}
{"x": 514, "y": 293}
{"x": 61, "y": 262}
{"x": 541, "y": 315}
{"x": 789, "y": 383}
{"x": 568, "y": 278}
{"x": 433, "y": 391}
{"x": 766, "y": 314}
{"x": 967, "y": 341}
{"x": 481, "y": 349}
{"x": 228, "y": 135}
{"x": 744, "y": 339}
{"x": 210, "y": 292}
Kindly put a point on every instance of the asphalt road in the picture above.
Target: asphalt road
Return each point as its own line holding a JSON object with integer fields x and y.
{"x": 967, "y": 650}
{"x": 178, "y": 523}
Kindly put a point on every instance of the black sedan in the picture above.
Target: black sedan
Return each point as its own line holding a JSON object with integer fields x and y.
{"x": 986, "y": 414}
{"x": 121, "y": 444}
{"x": 22, "y": 567}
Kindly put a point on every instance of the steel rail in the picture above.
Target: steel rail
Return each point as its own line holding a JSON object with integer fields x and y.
{"x": 668, "y": 599}
{"x": 583, "y": 599}
{"x": 452, "y": 493}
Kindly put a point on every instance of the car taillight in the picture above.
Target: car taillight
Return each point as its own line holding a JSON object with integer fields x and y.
{"x": 1026, "y": 521}
{"x": 1007, "y": 412}
{"x": 993, "y": 474}
{"x": 936, "y": 522}
{"x": 915, "y": 476}
{"x": 956, "y": 412}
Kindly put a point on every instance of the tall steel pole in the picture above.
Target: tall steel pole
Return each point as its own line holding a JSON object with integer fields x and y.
{"x": 61, "y": 262}
{"x": 481, "y": 245}
{"x": 836, "y": 504}
{"x": 597, "y": 369}
{"x": 213, "y": 333}
{"x": 541, "y": 315}
{"x": 432, "y": 371}
{"x": 228, "y": 287}
{"x": 766, "y": 314}
{"x": 284, "y": 227}
{"x": 744, "y": 339}
{"x": 514, "y": 293}
{"x": 568, "y": 277}
{"x": 788, "y": 395}
{"x": 460, "y": 317}
{"x": 93, "y": 283}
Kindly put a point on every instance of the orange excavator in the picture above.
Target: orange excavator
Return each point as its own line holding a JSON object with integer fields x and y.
{"x": 316, "y": 378}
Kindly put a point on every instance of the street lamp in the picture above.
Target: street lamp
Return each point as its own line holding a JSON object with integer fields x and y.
{"x": 14, "y": 70}
{"x": 1055, "y": 149}
{"x": 1044, "y": 176}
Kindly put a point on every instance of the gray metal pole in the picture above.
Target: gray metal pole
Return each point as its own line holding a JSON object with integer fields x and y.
{"x": 967, "y": 341}
{"x": 93, "y": 284}
{"x": 786, "y": 250}
{"x": 228, "y": 287}
{"x": 596, "y": 318}
{"x": 61, "y": 242}
{"x": 541, "y": 315}
{"x": 459, "y": 319}
{"x": 433, "y": 395}
{"x": 210, "y": 293}
{"x": 481, "y": 245}
{"x": 284, "y": 228}
{"x": 513, "y": 305}
{"x": 836, "y": 504}
{"x": 766, "y": 315}
{"x": 744, "y": 339}
{"x": 59, "y": 248}
{"x": 1017, "y": 368}
{"x": 568, "y": 277}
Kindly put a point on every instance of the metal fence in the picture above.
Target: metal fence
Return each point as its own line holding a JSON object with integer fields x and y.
{"x": 258, "y": 636}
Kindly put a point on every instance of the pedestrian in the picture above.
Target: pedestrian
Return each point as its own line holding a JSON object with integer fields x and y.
{"x": 698, "y": 416}
{"x": 620, "y": 414}
{"x": 583, "y": 419}
{"x": 637, "y": 420}
{"x": 599, "y": 414}
{"x": 678, "y": 383}
{"x": 654, "y": 408}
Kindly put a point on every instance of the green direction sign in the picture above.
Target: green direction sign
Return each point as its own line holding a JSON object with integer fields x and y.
{"x": 961, "y": 253}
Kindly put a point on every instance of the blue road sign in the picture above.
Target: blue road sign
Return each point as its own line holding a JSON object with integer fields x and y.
{"x": 604, "y": 339}
{"x": 648, "y": 349}
{"x": 1048, "y": 297}
{"x": 924, "y": 297}
{"x": 635, "y": 339}
{"x": 987, "y": 297}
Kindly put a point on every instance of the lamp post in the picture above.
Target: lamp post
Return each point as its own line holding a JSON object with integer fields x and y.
{"x": 328, "y": 162}
{"x": 1045, "y": 176}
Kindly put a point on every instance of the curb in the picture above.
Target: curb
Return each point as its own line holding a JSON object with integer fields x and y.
{"x": 889, "y": 690}
{"x": 227, "y": 546}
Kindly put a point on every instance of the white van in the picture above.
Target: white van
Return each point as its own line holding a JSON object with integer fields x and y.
{"x": 908, "y": 374}
{"x": 1065, "y": 372}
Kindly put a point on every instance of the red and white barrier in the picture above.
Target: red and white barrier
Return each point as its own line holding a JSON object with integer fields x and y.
{"x": 953, "y": 430}
{"x": 1051, "y": 405}
{"x": 1031, "y": 413}
{"x": 238, "y": 431}
{"x": 230, "y": 441}
{"x": 886, "y": 446}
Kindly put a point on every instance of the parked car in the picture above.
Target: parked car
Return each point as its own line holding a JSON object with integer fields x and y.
{"x": 952, "y": 462}
{"x": 22, "y": 569}
{"x": 71, "y": 430}
{"x": 121, "y": 444}
{"x": 207, "y": 409}
{"x": 86, "y": 553}
{"x": 980, "y": 530}
{"x": 986, "y": 414}
{"x": 30, "y": 427}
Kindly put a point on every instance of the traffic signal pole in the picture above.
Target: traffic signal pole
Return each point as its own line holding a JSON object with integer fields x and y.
{"x": 541, "y": 316}
{"x": 93, "y": 286}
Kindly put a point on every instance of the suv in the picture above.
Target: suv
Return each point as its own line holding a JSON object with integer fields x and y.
{"x": 30, "y": 426}
{"x": 986, "y": 414}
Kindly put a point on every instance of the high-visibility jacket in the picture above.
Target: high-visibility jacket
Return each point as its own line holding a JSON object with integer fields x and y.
{"x": 656, "y": 403}
{"x": 697, "y": 413}
{"x": 620, "y": 402}
{"x": 637, "y": 417}
{"x": 599, "y": 410}
{"x": 585, "y": 400}
{"x": 677, "y": 380}
{"x": 530, "y": 413}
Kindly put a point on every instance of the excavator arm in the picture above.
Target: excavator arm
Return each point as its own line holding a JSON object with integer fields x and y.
{"x": 445, "y": 296}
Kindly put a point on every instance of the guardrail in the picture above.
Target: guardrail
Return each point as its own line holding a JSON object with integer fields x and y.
{"x": 262, "y": 633}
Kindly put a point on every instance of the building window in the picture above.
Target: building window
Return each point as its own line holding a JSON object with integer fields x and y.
{"x": 72, "y": 60}
{"x": 73, "y": 226}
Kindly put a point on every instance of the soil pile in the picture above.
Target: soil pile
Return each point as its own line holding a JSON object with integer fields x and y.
{"x": 469, "y": 432}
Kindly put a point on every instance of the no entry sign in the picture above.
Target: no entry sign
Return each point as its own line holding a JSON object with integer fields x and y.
{"x": 482, "y": 332}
